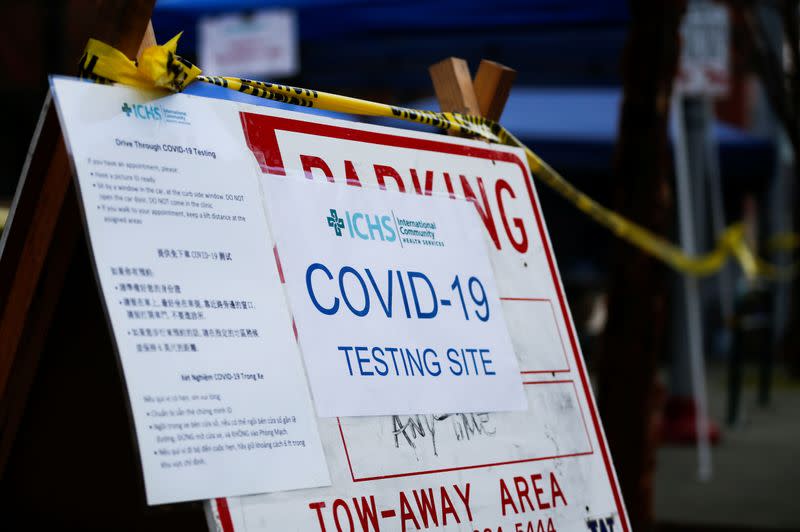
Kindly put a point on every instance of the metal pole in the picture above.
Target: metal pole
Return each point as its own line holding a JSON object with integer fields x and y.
{"x": 691, "y": 290}
{"x": 726, "y": 293}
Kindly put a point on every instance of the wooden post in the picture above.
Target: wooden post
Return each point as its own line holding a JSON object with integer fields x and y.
{"x": 457, "y": 93}
{"x": 453, "y": 85}
{"x": 492, "y": 86}
{"x": 635, "y": 337}
{"x": 149, "y": 39}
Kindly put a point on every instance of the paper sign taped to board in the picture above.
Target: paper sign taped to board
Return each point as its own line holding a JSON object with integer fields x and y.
{"x": 394, "y": 300}
{"x": 545, "y": 468}
{"x": 259, "y": 44}
{"x": 704, "y": 67}
{"x": 190, "y": 286}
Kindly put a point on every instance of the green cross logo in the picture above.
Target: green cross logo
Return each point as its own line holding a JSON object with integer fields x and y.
{"x": 335, "y": 222}
{"x": 127, "y": 109}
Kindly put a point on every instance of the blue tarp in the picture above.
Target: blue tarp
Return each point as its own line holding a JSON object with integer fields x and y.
{"x": 575, "y": 130}
{"x": 321, "y": 18}
{"x": 390, "y": 43}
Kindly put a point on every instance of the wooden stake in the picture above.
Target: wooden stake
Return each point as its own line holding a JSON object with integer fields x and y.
{"x": 457, "y": 93}
{"x": 492, "y": 87}
{"x": 148, "y": 40}
{"x": 453, "y": 85}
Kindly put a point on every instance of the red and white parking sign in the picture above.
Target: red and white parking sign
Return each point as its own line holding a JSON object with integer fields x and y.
{"x": 547, "y": 468}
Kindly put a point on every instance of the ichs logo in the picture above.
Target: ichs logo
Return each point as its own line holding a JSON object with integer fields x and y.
{"x": 142, "y": 112}
{"x": 335, "y": 222}
{"x": 362, "y": 225}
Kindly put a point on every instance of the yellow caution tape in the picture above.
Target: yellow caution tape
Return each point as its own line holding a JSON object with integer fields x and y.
{"x": 160, "y": 67}
{"x": 783, "y": 242}
{"x": 3, "y": 218}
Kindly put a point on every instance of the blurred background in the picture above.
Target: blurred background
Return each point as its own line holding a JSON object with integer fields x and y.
{"x": 682, "y": 115}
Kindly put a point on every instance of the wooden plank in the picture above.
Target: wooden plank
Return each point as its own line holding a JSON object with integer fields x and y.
{"x": 492, "y": 85}
{"x": 453, "y": 85}
{"x": 28, "y": 237}
{"x": 48, "y": 294}
{"x": 456, "y": 92}
{"x": 148, "y": 40}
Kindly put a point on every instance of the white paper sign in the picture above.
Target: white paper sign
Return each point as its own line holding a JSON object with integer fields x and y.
{"x": 192, "y": 293}
{"x": 264, "y": 43}
{"x": 705, "y": 50}
{"x": 394, "y": 299}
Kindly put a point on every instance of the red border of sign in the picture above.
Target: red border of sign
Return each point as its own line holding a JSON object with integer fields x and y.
{"x": 260, "y": 135}
{"x": 224, "y": 513}
{"x": 476, "y": 466}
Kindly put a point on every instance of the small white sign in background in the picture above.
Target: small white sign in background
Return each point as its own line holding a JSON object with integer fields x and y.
{"x": 264, "y": 43}
{"x": 395, "y": 301}
{"x": 705, "y": 50}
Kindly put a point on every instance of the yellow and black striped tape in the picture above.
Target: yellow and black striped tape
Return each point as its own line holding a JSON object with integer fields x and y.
{"x": 158, "y": 67}
{"x": 161, "y": 67}
{"x": 3, "y": 218}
